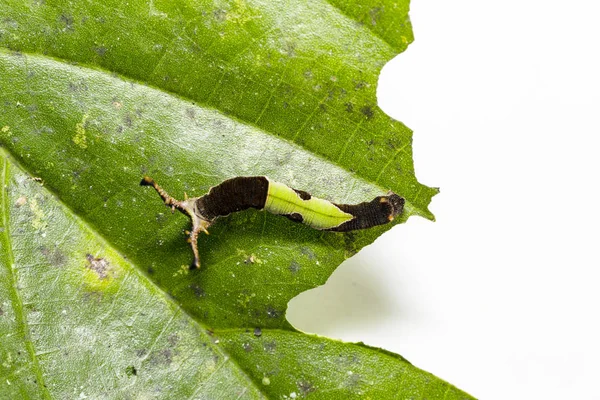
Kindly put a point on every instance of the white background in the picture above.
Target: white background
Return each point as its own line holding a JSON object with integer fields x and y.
{"x": 500, "y": 296}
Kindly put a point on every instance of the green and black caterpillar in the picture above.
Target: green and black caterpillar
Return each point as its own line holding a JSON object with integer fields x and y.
{"x": 241, "y": 193}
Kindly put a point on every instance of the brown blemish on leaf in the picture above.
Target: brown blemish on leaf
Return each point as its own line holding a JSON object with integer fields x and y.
{"x": 190, "y": 113}
{"x": 294, "y": 267}
{"x": 367, "y": 111}
{"x": 21, "y": 201}
{"x": 141, "y": 352}
{"x": 307, "y": 251}
{"x": 54, "y": 256}
{"x": 93, "y": 296}
{"x": 80, "y": 86}
{"x": 173, "y": 339}
{"x": 163, "y": 357}
{"x": 98, "y": 265}
{"x": 1, "y": 312}
{"x": 101, "y": 50}
{"x": 306, "y": 387}
{"x": 220, "y": 15}
{"x": 128, "y": 120}
{"x": 290, "y": 49}
{"x": 358, "y": 85}
{"x": 68, "y": 21}
{"x": 247, "y": 347}
{"x": 391, "y": 144}
{"x": 198, "y": 291}
{"x": 257, "y": 332}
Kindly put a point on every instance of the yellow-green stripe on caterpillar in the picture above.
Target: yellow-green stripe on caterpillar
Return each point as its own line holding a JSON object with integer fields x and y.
{"x": 241, "y": 193}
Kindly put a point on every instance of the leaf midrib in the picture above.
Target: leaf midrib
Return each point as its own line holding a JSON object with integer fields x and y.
{"x": 17, "y": 304}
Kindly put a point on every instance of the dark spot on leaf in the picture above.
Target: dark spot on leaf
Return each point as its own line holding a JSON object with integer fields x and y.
{"x": 220, "y": 15}
{"x": 93, "y": 296}
{"x": 247, "y": 347}
{"x": 198, "y": 291}
{"x": 128, "y": 120}
{"x": 131, "y": 371}
{"x": 1, "y": 312}
{"x": 390, "y": 143}
{"x": 350, "y": 243}
{"x": 21, "y": 201}
{"x": 290, "y": 49}
{"x": 294, "y": 267}
{"x": 367, "y": 111}
{"x": 67, "y": 20}
{"x": 375, "y": 14}
{"x": 167, "y": 355}
{"x": 101, "y": 51}
{"x": 270, "y": 347}
{"x": 98, "y": 265}
{"x": 173, "y": 339}
{"x": 354, "y": 380}
{"x": 80, "y": 86}
{"x": 54, "y": 256}
{"x": 306, "y": 387}
{"x": 164, "y": 357}
{"x": 141, "y": 352}
{"x": 349, "y": 107}
{"x": 307, "y": 251}
{"x": 257, "y": 332}
{"x": 273, "y": 313}
{"x": 9, "y": 22}
{"x": 251, "y": 259}
{"x": 358, "y": 85}
{"x": 161, "y": 219}
{"x": 190, "y": 113}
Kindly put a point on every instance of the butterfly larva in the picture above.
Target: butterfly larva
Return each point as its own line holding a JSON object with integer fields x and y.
{"x": 260, "y": 192}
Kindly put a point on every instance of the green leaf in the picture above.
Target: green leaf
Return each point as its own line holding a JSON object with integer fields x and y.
{"x": 93, "y": 267}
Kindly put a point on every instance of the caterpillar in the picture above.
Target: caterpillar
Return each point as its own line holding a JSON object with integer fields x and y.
{"x": 241, "y": 193}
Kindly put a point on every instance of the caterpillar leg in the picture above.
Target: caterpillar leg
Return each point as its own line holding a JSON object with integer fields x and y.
{"x": 187, "y": 207}
{"x": 169, "y": 201}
